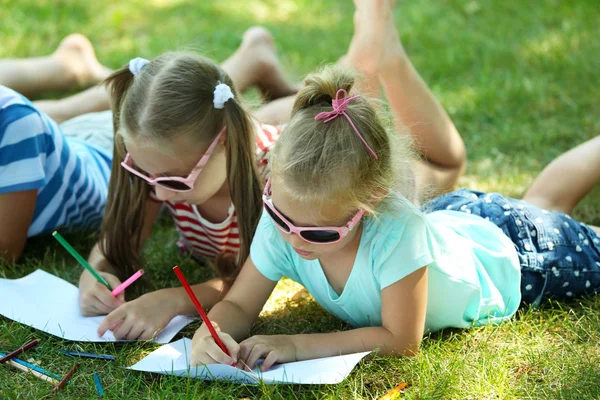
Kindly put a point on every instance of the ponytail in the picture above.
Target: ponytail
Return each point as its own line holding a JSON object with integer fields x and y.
{"x": 121, "y": 231}
{"x": 244, "y": 184}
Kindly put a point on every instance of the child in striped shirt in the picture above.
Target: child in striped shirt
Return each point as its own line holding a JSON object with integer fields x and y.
{"x": 51, "y": 176}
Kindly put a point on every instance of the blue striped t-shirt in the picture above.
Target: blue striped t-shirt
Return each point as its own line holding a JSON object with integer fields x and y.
{"x": 70, "y": 176}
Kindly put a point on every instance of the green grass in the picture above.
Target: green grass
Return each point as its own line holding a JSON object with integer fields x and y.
{"x": 520, "y": 82}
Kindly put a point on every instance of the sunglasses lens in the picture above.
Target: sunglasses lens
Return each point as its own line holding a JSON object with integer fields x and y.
{"x": 174, "y": 185}
{"x": 277, "y": 220}
{"x": 320, "y": 236}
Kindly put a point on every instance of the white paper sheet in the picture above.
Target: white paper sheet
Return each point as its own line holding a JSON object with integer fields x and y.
{"x": 173, "y": 359}
{"x": 50, "y": 304}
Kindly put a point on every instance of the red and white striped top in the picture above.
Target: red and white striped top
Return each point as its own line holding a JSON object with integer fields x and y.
{"x": 207, "y": 239}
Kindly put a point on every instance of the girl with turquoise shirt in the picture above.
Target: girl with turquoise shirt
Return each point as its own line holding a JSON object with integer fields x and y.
{"x": 335, "y": 221}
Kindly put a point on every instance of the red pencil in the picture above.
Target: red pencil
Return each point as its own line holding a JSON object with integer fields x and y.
{"x": 18, "y": 351}
{"x": 198, "y": 306}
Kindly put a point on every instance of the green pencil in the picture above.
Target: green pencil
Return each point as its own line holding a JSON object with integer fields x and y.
{"x": 81, "y": 260}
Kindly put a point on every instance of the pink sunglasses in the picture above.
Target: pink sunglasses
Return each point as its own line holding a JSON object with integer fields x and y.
{"x": 314, "y": 235}
{"x": 176, "y": 183}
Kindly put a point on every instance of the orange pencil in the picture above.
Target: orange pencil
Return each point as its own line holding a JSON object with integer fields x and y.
{"x": 64, "y": 380}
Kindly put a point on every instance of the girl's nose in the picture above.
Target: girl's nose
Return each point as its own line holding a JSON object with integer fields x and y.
{"x": 163, "y": 194}
{"x": 295, "y": 240}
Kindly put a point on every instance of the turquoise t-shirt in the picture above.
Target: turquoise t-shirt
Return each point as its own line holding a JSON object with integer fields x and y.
{"x": 473, "y": 269}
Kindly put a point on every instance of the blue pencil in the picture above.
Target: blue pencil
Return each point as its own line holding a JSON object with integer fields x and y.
{"x": 98, "y": 385}
{"x": 87, "y": 355}
{"x": 34, "y": 367}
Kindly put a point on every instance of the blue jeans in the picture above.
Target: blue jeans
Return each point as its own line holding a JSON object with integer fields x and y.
{"x": 560, "y": 257}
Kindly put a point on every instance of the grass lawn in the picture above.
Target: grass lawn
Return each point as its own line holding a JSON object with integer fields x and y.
{"x": 519, "y": 80}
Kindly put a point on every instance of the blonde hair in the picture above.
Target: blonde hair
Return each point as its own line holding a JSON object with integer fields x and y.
{"x": 172, "y": 97}
{"x": 321, "y": 162}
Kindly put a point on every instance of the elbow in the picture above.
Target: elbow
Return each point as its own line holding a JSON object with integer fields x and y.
{"x": 411, "y": 351}
{"x": 402, "y": 348}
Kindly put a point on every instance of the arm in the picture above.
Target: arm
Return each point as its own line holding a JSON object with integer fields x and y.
{"x": 16, "y": 213}
{"x": 234, "y": 316}
{"x": 147, "y": 315}
{"x": 404, "y": 305}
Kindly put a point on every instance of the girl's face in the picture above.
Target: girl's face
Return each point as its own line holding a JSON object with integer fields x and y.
{"x": 179, "y": 158}
{"x": 305, "y": 215}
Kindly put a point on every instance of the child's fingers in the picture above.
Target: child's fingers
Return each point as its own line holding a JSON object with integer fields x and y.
{"x": 106, "y": 297}
{"x": 258, "y": 351}
{"x": 232, "y": 346}
{"x": 90, "y": 305}
{"x": 149, "y": 334}
{"x": 135, "y": 332}
{"x": 110, "y": 321}
{"x": 245, "y": 349}
{"x": 113, "y": 281}
{"x": 200, "y": 355}
{"x": 99, "y": 308}
{"x": 123, "y": 329}
{"x": 215, "y": 352}
{"x": 271, "y": 359}
{"x": 198, "y": 360}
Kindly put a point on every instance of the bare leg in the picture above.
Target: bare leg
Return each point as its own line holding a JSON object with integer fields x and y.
{"x": 90, "y": 100}
{"x": 255, "y": 63}
{"x": 73, "y": 63}
{"x": 567, "y": 179}
{"x": 276, "y": 112}
{"x": 376, "y": 48}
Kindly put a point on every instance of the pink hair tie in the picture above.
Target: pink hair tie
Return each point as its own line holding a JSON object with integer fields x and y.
{"x": 339, "y": 108}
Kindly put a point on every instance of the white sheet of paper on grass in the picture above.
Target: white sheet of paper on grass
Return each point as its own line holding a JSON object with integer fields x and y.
{"x": 173, "y": 359}
{"x": 50, "y": 304}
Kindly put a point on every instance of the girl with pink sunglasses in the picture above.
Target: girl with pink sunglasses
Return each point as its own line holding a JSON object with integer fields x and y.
{"x": 184, "y": 139}
{"x": 337, "y": 220}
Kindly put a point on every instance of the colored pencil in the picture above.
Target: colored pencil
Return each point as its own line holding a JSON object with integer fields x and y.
{"x": 99, "y": 388}
{"x": 128, "y": 282}
{"x": 34, "y": 367}
{"x": 18, "y": 351}
{"x": 198, "y": 306}
{"x": 64, "y": 380}
{"x": 88, "y": 355}
{"x": 80, "y": 259}
{"x": 31, "y": 371}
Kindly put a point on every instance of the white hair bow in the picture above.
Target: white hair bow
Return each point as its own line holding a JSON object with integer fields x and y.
{"x": 137, "y": 64}
{"x": 222, "y": 93}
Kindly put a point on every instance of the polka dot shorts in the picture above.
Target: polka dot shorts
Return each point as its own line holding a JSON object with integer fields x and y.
{"x": 560, "y": 257}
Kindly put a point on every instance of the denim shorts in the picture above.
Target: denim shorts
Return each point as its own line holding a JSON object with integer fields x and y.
{"x": 559, "y": 257}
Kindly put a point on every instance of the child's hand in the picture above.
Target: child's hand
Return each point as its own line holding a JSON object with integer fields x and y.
{"x": 95, "y": 298}
{"x": 206, "y": 351}
{"x": 273, "y": 348}
{"x": 142, "y": 318}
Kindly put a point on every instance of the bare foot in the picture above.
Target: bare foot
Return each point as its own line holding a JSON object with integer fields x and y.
{"x": 77, "y": 56}
{"x": 258, "y": 50}
{"x": 375, "y": 44}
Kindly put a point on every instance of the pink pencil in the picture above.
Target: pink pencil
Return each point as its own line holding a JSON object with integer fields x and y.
{"x": 128, "y": 282}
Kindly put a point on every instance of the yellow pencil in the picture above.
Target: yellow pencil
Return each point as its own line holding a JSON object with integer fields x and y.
{"x": 35, "y": 373}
